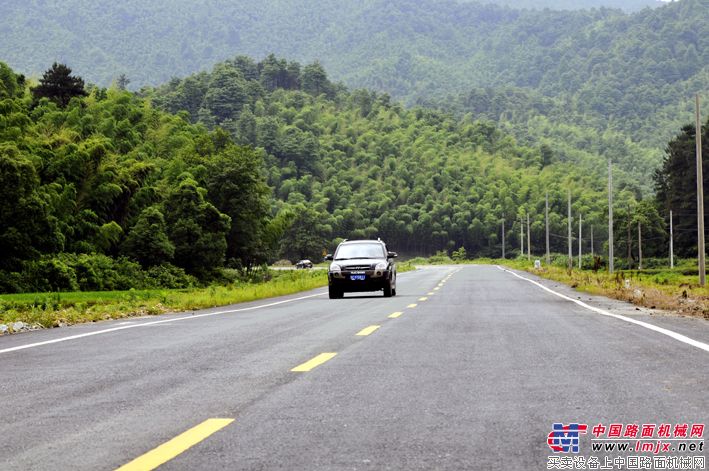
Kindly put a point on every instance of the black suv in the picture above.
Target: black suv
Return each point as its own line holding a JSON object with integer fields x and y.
{"x": 361, "y": 265}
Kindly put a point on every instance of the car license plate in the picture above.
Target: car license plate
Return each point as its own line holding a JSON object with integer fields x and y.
{"x": 357, "y": 277}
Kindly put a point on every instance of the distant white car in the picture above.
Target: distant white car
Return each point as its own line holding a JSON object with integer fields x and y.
{"x": 304, "y": 264}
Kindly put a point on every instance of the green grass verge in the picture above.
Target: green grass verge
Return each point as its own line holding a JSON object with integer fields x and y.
{"x": 56, "y": 309}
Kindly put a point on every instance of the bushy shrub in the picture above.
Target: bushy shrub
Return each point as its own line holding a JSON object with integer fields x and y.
{"x": 656, "y": 262}
{"x": 418, "y": 261}
{"x": 559, "y": 260}
{"x": 459, "y": 255}
{"x": 169, "y": 276}
{"x": 11, "y": 282}
{"x": 441, "y": 257}
{"x": 92, "y": 272}
{"x": 97, "y": 272}
{"x": 49, "y": 274}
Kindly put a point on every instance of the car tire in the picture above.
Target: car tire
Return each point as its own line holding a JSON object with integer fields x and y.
{"x": 335, "y": 293}
{"x": 388, "y": 291}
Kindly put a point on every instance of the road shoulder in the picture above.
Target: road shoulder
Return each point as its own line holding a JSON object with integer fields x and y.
{"x": 691, "y": 326}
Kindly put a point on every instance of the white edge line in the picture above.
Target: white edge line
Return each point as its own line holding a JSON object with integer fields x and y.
{"x": 143, "y": 324}
{"x": 661, "y": 330}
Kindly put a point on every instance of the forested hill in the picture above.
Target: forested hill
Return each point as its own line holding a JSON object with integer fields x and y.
{"x": 627, "y": 5}
{"x": 357, "y": 164}
{"x": 106, "y": 189}
{"x": 103, "y": 190}
{"x": 100, "y": 191}
{"x": 607, "y": 71}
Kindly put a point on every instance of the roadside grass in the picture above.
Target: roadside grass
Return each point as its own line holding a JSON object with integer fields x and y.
{"x": 57, "y": 309}
{"x": 659, "y": 287}
{"x": 675, "y": 289}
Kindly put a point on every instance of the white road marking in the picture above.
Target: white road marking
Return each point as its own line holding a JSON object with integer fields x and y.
{"x": 143, "y": 324}
{"x": 661, "y": 330}
{"x": 164, "y": 321}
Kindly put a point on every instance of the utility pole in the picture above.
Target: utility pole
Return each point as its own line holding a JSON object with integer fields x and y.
{"x": 503, "y": 238}
{"x": 640, "y": 248}
{"x": 529, "y": 240}
{"x": 592, "y": 254}
{"x": 672, "y": 248}
{"x": 571, "y": 256}
{"x": 521, "y": 237}
{"x": 628, "y": 238}
{"x": 700, "y": 201}
{"x": 546, "y": 219}
{"x": 580, "y": 239}
{"x": 610, "y": 217}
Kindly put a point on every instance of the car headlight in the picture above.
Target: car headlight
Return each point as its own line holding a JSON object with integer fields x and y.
{"x": 335, "y": 267}
{"x": 381, "y": 266}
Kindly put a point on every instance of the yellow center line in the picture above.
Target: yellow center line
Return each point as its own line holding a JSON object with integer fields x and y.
{"x": 368, "y": 330}
{"x": 436, "y": 288}
{"x": 394, "y": 315}
{"x": 176, "y": 446}
{"x": 431, "y": 293}
{"x": 412, "y": 305}
{"x": 317, "y": 361}
{"x": 423, "y": 298}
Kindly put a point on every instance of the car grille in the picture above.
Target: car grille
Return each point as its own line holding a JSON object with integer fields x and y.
{"x": 357, "y": 267}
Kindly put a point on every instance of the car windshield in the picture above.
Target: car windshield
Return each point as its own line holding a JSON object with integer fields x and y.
{"x": 350, "y": 251}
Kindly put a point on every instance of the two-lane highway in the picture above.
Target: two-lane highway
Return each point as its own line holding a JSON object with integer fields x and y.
{"x": 467, "y": 368}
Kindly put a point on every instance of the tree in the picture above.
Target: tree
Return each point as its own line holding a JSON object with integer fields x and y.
{"x": 226, "y": 94}
{"x": 246, "y": 128}
{"x": 122, "y": 82}
{"x": 237, "y": 188}
{"x": 59, "y": 85}
{"x": 676, "y": 187}
{"x": 459, "y": 255}
{"x": 27, "y": 227}
{"x": 10, "y": 83}
{"x": 307, "y": 236}
{"x": 315, "y": 80}
{"x": 196, "y": 228}
{"x": 147, "y": 241}
{"x": 274, "y": 72}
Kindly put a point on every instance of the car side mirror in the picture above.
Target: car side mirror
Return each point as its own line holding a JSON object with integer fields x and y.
{"x": 392, "y": 255}
{"x": 328, "y": 257}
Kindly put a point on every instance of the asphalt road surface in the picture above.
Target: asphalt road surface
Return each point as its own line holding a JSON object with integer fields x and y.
{"x": 468, "y": 368}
